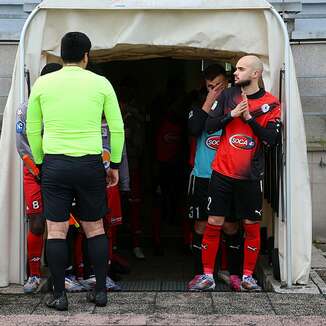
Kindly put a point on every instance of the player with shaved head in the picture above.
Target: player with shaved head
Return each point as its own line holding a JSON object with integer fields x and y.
{"x": 249, "y": 118}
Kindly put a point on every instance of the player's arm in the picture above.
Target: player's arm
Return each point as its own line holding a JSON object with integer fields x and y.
{"x": 216, "y": 119}
{"x": 124, "y": 183}
{"x": 269, "y": 135}
{"x": 114, "y": 120}
{"x": 34, "y": 124}
{"x": 196, "y": 121}
{"x": 21, "y": 138}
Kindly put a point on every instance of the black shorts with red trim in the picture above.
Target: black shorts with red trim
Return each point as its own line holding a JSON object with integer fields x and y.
{"x": 241, "y": 199}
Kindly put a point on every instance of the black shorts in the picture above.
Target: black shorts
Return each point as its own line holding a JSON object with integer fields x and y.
{"x": 241, "y": 199}
{"x": 197, "y": 198}
{"x": 65, "y": 178}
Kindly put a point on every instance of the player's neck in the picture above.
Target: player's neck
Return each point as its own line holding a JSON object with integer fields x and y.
{"x": 251, "y": 89}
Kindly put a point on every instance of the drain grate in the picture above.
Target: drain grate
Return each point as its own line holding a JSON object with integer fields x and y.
{"x": 164, "y": 286}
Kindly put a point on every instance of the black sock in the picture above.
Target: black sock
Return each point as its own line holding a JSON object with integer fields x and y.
{"x": 99, "y": 255}
{"x": 234, "y": 251}
{"x": 196, "y": 248}
{"x": 57, "y": 255}
{"x": 88, "y": 270}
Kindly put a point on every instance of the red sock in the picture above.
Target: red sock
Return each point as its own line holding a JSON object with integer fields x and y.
{"x": 224, "y": 258}
{"x": 251, "y": 247}
{"x": 78, "y": 255}
{"x": 210, "y": 244}
{"x": 34, "y": 253}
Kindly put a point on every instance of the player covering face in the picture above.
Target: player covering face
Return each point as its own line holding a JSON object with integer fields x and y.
{"x": 249, "y": 118}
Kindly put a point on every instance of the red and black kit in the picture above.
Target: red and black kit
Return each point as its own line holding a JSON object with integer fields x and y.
{"x": 238, "y": 167}
{"x": 240, "y": 153}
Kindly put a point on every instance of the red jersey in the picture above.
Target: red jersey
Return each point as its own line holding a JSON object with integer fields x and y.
{"x": 240, "y": 153}
{"x": 168, "y": 141}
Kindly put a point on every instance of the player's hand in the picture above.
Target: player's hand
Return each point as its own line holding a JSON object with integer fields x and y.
{"x": 240, "y": 109}
{"x": 212, "y": 96}
{"x": 112, "y": 177}
{"x": 245, "y": 114}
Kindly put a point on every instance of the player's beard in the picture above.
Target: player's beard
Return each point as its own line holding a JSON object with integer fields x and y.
{"x": 243, "y": 83}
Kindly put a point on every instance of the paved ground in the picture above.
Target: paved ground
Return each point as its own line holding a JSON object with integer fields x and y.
{"x": 170, "y": 308}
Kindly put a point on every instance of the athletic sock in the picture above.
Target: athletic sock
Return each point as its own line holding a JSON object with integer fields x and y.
{"x": 251, "y": 247}
{"x": 98, "y": 253}
{"x": 78, "y": 255}
{"x": 196, "y": 249}
{"x": 234, "y": 253}
{"x": 34, "y": 252}
{"x": 210, "y": 244}
{"x": 224, "y": 256}
{"x": 88, "y": 269}
{"x": 57, "y": 253}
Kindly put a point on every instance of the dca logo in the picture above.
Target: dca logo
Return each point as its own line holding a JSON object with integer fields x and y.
{"x": 212, "y": 142}
{"x": 242, "y": 141}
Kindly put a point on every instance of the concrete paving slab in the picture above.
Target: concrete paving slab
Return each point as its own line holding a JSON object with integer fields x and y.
{"x": 12, "y": 289}
{"x": 18, "y": 304}
{"x": 131, "y": 297}
{"x": 77, "y": 319}
{"x": 318, "y": 260}
{"x": 131, "y": 308}
{"x": 298, "y": 304}
{"x": 77, "y": 304}
{"x": 160, "y": 319}
{"x": 270, "y": 284}
{"x": 174, "y": 303}
{"x": 193, "y": 319}
{"x": 242, "y": 303}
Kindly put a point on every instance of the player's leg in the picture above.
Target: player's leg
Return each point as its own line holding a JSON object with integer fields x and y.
{"x": 218, "y": 206}
{"x": 250, "y": 193}
{"x": 233, "y": 240}
{"x": 35, "y": 241}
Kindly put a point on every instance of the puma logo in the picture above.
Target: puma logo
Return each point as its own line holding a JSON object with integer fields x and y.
{"x": 252, "y": 248}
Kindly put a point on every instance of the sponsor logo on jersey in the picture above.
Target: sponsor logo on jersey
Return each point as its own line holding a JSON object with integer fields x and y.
{"x": 265, "y": 108}
{"x": 214, "y": 106}
{"x": 116, "y": 220}
{"x": 20, "y": 127}
{"x": 171, "y": 137}
{"x": 242, "y": 141}
{"x": 212, "y": 142}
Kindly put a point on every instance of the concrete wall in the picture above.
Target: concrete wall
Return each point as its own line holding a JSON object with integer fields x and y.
{"x": 311, "y": 71}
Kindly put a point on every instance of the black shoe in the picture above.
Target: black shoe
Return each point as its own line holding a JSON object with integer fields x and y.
{"x": 57, "y": 302}
{"x": 99, "y": 298}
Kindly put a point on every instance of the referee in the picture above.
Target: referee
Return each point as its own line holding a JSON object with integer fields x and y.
{"x": 69, "y": 105}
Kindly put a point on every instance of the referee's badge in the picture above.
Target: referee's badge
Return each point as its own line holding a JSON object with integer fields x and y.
{"x": 106, "y": 156}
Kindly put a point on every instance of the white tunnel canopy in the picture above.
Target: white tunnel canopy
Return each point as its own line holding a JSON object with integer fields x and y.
{"x": 188, "y": 29}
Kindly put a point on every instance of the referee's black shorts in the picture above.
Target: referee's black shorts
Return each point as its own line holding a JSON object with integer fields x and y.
{"x": 241, "y": 199}
{"x": 65, "y": 178}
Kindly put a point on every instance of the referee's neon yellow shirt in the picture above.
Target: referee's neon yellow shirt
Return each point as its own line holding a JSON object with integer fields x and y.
{"x": 69, "y": 104}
